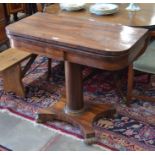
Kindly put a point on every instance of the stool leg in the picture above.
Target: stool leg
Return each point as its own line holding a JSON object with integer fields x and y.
{"x": 15, "y": 17}
{"x": 8, "y": 44}
{"x": 49, "y": 68}
{"x": 130, "y": 84}
{"x": 13, "y": 81}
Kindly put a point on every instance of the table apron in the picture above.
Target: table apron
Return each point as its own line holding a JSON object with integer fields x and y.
{"x": 111, "y": 63}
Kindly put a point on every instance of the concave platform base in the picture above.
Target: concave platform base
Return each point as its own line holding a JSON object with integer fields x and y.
{"x": 83, "y": 120}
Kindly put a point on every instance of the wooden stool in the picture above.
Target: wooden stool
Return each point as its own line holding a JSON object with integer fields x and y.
{"x": 11, "y": 71}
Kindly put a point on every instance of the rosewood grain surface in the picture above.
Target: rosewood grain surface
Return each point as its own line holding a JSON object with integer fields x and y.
{"x": 143, "y": 18}
{"x": 78, "y": 42}
{"x": 67, "y": 36}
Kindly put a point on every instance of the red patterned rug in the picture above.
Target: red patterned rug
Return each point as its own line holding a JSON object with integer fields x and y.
{"x": 131, "y": 129}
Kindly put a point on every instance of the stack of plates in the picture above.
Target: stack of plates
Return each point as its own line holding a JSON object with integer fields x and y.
{"x": 72, "y": 6}
{"x": 103, "y": 9}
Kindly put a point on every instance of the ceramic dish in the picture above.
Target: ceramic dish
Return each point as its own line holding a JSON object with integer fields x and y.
{"x": 103, "y": 9}
{"x": 72, "y": 6}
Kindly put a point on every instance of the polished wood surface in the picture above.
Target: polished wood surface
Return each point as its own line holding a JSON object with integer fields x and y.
{"x": 3, "y": 37}
{"x": 15, "y": 7}
{"x": 145, "y": 17}
{"x": 76, "y": 35}
{"x": 2, "y": 15}
{"x": 73, "y": 32}
{"x": 84, "y": 121}
{"x": 39, "y": 7}
{"x": 74, "y": 87}
{"x": 78, "y": 42}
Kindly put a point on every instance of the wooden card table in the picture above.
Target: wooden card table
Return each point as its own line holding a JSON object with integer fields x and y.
{"x": 78, "y": 42}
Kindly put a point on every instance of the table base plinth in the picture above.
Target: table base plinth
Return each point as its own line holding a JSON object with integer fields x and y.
{"x": 83, "y": 120}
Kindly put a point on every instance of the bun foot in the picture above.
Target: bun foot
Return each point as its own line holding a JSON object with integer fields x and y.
{"x": 39, "y": 119}
{"x": 90, "y": 141}
{"x": 44, "y": 116}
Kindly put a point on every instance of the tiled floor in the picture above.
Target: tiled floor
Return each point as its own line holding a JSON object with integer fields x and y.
{"x": 17, "y": 133}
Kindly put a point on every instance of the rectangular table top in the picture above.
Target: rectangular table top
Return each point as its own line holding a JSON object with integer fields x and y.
{"x": 82, "y": 34}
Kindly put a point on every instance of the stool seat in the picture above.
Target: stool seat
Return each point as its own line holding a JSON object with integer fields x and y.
{"x": 10, "y": 70}
{"x": 11, "y": 57}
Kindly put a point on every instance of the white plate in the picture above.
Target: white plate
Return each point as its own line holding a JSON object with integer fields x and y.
{"x": 103, "y": 9}
{"x": 72, "y": 6}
